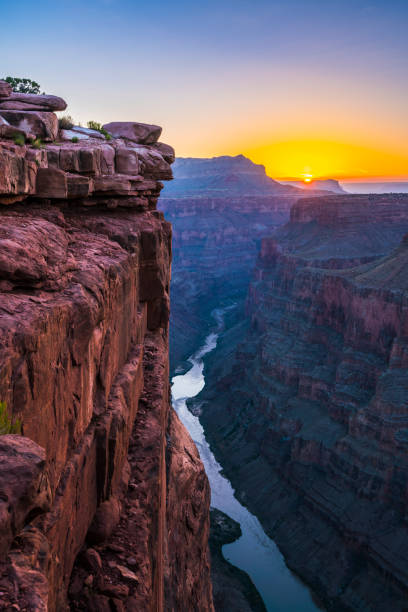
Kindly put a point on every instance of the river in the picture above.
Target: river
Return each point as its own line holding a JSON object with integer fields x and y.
{"x": 254, "y": 552}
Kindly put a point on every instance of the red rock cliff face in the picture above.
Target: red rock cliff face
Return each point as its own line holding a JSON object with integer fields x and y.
{"x": 311, "y": 418}
{"x": 84, "y": 308}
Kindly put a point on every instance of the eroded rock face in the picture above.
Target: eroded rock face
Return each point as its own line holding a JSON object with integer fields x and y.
{"x": 141, "y": 133}
{"x": 84, "y": 307}
{"x": 309, "y": 419}
{"x": 43, "y": 125}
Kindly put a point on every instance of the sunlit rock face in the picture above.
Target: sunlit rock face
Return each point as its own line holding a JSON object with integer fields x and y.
{"x": 103, "y": 475}
{"x": 309, "y": 414}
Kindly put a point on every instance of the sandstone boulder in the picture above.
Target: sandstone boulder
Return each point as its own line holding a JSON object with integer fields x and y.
{"x": 166, "y": 151}
{"x": 152, "y": 164}
{"x": 43, "y": 125}
{"x": 5, "y": 89}
{"x": 142, "y": 133}
{"x": 81, "y": 133}
{"x": 9, "y": 131}
{"x": 22, "y": 101}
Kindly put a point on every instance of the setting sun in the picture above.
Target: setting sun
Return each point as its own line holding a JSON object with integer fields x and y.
{"x": 326, "y": 159}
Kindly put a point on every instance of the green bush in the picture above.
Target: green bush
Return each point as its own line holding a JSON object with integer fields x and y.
{"x": 66, "y": 122}
{"x": 74, "y": 139}
{"x": 23, "y": 85}
{"x": 19, "y": 140}
{"x": 7, "y": 425}
{"x": 94, "y": 125}
{"x": 37, "y": 144}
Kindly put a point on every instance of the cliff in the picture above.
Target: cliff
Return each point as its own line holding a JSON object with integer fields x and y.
{"x": 308, "y": 417}
{"x": 103, "y": 475}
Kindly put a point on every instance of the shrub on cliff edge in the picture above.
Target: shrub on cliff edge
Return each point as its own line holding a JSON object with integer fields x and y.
{"x": 7, "y": 425}
{"x": 23, "y": 85}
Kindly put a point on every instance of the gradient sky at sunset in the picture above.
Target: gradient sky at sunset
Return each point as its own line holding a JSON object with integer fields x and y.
{"x": 315, "y": 86}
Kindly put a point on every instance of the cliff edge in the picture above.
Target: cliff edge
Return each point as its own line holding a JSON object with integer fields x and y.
{"x": 102, "y": 474}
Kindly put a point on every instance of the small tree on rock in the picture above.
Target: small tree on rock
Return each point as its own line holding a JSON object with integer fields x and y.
{"x": 23, "y": 85}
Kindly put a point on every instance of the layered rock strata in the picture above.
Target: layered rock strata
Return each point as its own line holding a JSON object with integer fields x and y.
{"x": 220, "y": 210}
{"x": 84, "y": 307}
{"x": 309, "y": 418}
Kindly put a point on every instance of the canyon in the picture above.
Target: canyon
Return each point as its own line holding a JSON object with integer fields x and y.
{"x": 220, "y": 209}
{"x": 290, "y": 302}
{"x": 306, "y": 403}
{"x": 305, "y": 398}
{"x": 104, "y": 502}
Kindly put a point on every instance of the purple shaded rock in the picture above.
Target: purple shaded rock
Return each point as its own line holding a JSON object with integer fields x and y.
{"x": 166, "y": 151}
{"x": 142, "y": 133}
{"x": 23, "y": 484}
{"x": 43, "y": 125}
{"x": 22, "y": 101}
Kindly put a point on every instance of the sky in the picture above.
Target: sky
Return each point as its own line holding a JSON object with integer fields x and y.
{"x": 305, "y": 87}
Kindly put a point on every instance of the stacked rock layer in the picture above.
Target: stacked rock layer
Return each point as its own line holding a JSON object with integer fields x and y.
{"x": 310, "y": 416}
{"x": 103, "y": 474}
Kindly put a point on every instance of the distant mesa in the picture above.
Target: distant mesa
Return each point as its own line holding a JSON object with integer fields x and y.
{"x": 225, "y": 175}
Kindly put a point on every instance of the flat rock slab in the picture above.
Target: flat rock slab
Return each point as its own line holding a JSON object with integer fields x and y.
{"x": 22, "y": 101}
{"x": 142, "y": 133}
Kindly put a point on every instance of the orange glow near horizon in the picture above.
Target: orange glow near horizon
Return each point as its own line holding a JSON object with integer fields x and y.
{"x": 307, "y": 160}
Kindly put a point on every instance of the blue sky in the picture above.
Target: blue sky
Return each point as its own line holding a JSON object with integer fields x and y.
{"x": 221, "y": 75}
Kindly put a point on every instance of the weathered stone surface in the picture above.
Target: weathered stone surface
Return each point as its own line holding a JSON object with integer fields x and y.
{"x": 84, "y": 354}
{"x": 5, "y": 89}
{"x": 51, "y": 183}
{"x": 166, "y": 151}
{"x": 188, "y": 496}
{"x": 9, "y": 131}
{"x": 17, "y": 173}
{"x": 141, "y": 133}
{"x": 24, "y": 485}
{"x": 22, "y": 101}
{"x": 81, "y": 133}
{"x": 309, "y": 416}
{"x": 127, "y": 161}
{"x": 43, "y": 125}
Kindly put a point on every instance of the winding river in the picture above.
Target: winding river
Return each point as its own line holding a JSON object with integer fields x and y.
{"x": 254, "y": 552}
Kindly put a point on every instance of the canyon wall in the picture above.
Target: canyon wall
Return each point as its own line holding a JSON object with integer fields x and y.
{"x": 103, "y": 475}
{"x": 220, "y": 209}
{"x": 309, "y": 416}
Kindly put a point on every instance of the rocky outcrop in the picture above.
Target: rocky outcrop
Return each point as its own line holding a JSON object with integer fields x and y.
{"x": 309, "y": 417}
{"x": 84, "y": 307}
